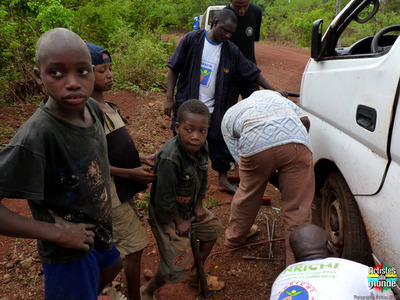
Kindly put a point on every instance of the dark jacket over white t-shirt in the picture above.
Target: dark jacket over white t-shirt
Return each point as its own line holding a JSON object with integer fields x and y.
{"x": 186, "y": 61}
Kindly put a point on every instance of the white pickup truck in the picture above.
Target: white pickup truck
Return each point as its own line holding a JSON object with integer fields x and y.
{"x": 351, "y": 95}
{"x": 204, "y": 21}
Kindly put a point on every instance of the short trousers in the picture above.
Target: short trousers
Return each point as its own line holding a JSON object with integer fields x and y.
{"x": 78, "y": 279}
{"x": 128, "y": 232}
{"x": 176, "y": 257}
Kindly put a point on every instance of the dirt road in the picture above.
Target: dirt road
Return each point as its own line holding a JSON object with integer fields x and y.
{"x": 282, "y": 65}
{"x": 20, "y": 270}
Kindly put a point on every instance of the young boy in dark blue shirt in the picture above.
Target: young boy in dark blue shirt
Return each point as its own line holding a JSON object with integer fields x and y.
{"x": 58, "y": 161}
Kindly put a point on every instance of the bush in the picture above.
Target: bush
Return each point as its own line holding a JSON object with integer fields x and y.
{"x": 139, "y": 60}
{"x": 17, "y": 50}
{"x": 131, "y": 30}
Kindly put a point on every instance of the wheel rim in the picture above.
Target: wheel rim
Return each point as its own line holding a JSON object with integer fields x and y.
{"x": 334, "y": 221}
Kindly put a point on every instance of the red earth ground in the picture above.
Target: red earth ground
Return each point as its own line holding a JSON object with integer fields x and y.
{"x": 21, "y": 275}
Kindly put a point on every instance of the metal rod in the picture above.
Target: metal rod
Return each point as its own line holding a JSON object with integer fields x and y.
{"x": 246, "y": 246}
{"x": 261, "y": 258}
{"x": 291, "y": 94}
{"x": 271, "y": 254}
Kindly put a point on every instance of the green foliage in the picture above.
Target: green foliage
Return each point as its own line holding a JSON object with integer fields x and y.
{"x": 52, "y": 14}
{"x": 142, "y": 201}
{"x": 292, "y": 21}
{"x": 98, "y": 23}
{"x": 210, "y": 202}
{"x": 9, "y": 45}
{"x": 139, "y": 60}
{"x": 132, "y": 29}
{"x": 6, "y": 132}
{"x": 17, "y": 39}
{"x": 355, "y": 30}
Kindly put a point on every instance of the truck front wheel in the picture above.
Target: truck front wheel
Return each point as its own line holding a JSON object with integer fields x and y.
{"x": 342, "y": 220}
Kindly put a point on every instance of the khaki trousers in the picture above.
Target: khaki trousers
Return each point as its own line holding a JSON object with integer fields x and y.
{"x": 296, "y": 183}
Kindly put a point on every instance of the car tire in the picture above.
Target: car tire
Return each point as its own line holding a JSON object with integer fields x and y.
{"x": 342, "y": 220}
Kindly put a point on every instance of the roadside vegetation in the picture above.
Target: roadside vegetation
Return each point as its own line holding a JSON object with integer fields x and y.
{"x": 133, "y": 31}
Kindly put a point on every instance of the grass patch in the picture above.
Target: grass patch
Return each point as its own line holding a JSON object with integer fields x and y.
{"x": 211, "y": 202}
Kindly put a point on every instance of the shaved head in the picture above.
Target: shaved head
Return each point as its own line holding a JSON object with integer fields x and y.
{"x": 309, "y": 241}
{"x": 224, "y": 15}
{"x": 54, "y": 37}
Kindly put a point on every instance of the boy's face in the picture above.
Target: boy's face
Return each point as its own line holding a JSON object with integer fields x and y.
{"x": 240, "y": 7}
{"x": 192, "y": 131}
{"x": 67, "y": 74}
{"x": 103, "y": 76}
{"x": 222, "y": 31}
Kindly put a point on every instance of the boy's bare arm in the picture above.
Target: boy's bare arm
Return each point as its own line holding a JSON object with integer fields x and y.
{"x": 139, "y": 174}
{"x": 199, "y": 211}
{"x": 63, "y": 233}
{"x": 169, "y": 102}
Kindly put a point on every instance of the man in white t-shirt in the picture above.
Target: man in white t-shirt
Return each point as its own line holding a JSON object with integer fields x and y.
{"x": 318, "y": 275}
{"x": 202, "y": 67}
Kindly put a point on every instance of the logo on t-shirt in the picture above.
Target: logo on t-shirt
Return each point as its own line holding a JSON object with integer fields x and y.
{"x": 382, "y": 277}
{"x": 298, "y": 290}
{"x": 205, "y": 75}
{"x": 249, "y": 31}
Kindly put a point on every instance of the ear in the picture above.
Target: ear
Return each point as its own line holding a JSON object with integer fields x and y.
{"x": 177, "y": 127}
{"x": 36, "y": 71}
{"x": 332, "y": 249}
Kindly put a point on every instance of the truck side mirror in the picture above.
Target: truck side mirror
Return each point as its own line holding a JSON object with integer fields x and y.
{"x": 316, "y": 37}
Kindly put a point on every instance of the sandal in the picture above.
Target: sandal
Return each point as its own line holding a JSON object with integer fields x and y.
{"x": 113, "y": 294}
{"x": 232, "y": 189}
{"x": 253, "y": 231}
{"x": 212, "y": 282}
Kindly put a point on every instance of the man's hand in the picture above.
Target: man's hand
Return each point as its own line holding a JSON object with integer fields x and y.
{"x": 74, "y": 235}
{"x": 306, "y": 122}
{"x": 284, "y": 93}
{"x": 169, "y": 106}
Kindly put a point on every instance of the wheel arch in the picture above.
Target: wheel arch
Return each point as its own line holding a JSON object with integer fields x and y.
{"x": 322, "y": 169}
{"x": 354, "y": 221}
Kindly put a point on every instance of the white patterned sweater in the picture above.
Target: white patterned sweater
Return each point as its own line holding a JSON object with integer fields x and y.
{"x": 262, "y": 121}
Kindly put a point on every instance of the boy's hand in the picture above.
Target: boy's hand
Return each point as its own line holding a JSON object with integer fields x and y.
{"x": 199, "y": 212}
{"x": 148, "y": 160}
{"x": 74, "y": 235}
{"x": 142, "y": 175}
{"x": 182, "y": 226}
